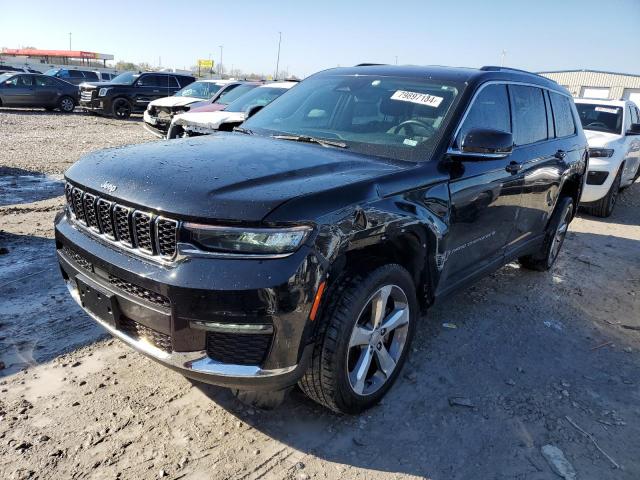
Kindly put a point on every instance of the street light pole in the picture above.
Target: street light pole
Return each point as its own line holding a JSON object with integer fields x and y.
{"x": 69, "y": 40}
{"x": 278, "y": 60}
{"x": 220, "y": 71}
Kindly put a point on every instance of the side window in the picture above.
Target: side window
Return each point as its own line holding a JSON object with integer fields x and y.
{"x": 148, "y": 81}
{"x": 633, "y": 114}
{"x": 490, "y": 110}
{"x": 172, "y": 82}
{"x": 529, "y": 115}
{"x": 63, "y": 74}
{"x": 563, "y": 115}
{"x": 75, "y": 74}
{"x": 45, "y": 81}
{"x": 25, "y": 81}
{"x": 91, "y": 76}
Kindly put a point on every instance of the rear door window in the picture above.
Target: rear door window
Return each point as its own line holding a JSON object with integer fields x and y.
{"x": 91, "y": 76}
{"x": 529, "y": 114}
{"x": 490, "y": 110}
{"x": 45, "y": 82}
{"x": 76, "y": 74}
{"x": 172, "y": 82}
{"x": 562, "y": 115}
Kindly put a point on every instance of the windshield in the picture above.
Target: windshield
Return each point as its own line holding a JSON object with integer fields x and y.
{"x": 126, "y": 78}
{"x": 257, "y": 96}
{"x": 231, "y": 94}
{"x": 5, "y": 76}
{"x": 51, "y": 72}
{"x": 601, "y": 118}
{"x": 204, "y": 90}
{"x": 393, "y": 117}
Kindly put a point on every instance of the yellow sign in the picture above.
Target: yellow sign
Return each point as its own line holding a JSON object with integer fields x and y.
{"x": 205, "y": 63}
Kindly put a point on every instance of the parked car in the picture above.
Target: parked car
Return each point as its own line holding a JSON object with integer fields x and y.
{"x": 305, "y": 246}
{"x": 11, "y": 69}
{"x": 130, "y": 92}
{"x": 29, "y": 90}
{"x": 613, "y": 131}
{"x": 73, "y": 75}
{"x": 202, "y": 121}
{"x": 225, "y": 96}
{"x": 157, "y": 117}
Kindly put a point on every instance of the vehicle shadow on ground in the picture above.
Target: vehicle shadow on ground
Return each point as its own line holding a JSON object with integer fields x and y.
{"x": 629, "y": 196}
{"x": 18, "y": 186}
{"x": 135, "y": 118}
{"x": 527, "y": 351}
{"x": 38, "y": 319}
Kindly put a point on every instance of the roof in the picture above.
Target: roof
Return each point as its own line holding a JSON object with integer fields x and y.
{"x": 451, "y": 74}
{"x": 591, "y": 71}
{"x": 279, "y": 85}
{"x": 34, "y": 52}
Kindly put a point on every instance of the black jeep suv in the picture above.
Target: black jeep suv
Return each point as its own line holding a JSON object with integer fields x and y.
{"x": 304, "y": 247}
{"x": 130, "y": 92}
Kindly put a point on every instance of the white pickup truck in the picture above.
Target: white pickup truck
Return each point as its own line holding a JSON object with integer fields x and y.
{"x": 612, "y": 128}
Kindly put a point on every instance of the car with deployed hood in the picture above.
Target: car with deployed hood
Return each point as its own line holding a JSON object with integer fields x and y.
{"x": 157, "y": 117}
{"x": 130, "y": 92}
{"x": 203, "y": 121}
{"x": 29, "y": 90}
{"x": 612, "y": 128}
{"x": 305, "y": 246}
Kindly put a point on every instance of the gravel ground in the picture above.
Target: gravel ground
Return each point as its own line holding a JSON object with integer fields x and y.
{"x": 536, "y": 359}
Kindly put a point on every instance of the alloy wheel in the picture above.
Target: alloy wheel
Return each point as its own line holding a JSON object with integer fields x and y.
{"x": 561, "y": 233}
{"x": 67, "y": 105}
{"x": 122, "y": 109}
{"x": 378, "y": 340}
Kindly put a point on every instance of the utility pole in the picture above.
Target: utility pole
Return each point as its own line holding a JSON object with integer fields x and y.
{"x": 278, "y": 60}
{"x": 69, "y": 40}
{"x": 220, "y": 71}
{"x": 502, "y": 58}
{"x": 396, "y": 59}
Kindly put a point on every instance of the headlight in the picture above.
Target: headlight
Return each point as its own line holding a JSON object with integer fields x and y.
{"x": 263, "y": 241}
{"x": 103, "y": 92}
{"x": 600, "y": 152}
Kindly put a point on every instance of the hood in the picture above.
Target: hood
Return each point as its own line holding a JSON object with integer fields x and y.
{"x": 202, "y": 107}
{"x": 90, "y": 85}
{"x": 174, "y": 101}
{"x": 225, "y": 176}
{"x": 600, "y": 139}
{"x": 208, "y": 120}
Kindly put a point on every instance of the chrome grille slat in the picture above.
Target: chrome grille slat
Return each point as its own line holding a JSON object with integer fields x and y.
{"x": 136, "y": 230}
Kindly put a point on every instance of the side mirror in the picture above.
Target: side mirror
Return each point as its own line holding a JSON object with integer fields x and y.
{"x": 251, "y": 111}
{"x": 487, "y": 143}
{"x": 634, "y": 130}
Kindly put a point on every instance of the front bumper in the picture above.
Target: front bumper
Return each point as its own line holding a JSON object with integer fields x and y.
{"x": 600, "y": 166}
{"x": 277, "y": 292}
{"x": 154, "y": 125}
{"x": 96, "y": 105}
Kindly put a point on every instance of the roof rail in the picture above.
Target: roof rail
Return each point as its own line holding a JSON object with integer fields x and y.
{"x": 493, "y": 68}
{"x": 369, "y": 64}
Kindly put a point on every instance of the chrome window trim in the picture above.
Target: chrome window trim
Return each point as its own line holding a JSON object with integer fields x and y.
{"x": 456, "y": 152}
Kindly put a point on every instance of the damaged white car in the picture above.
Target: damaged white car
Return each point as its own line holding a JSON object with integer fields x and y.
{"x": 196, "y": 122}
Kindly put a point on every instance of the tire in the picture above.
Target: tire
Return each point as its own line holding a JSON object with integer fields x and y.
{"x": 554, "y": 238}
{"x": 121, "y": 108}
{"x": 346, "y": 342}
{"x": 604, "y": 207}
{"x": 66, "y": 104}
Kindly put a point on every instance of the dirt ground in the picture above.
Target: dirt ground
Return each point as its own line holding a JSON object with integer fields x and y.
{"x": 538, "y": 359}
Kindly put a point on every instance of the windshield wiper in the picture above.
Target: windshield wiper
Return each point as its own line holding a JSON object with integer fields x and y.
{"x": 306, "y": 139}
{"x": 246, "y": 131}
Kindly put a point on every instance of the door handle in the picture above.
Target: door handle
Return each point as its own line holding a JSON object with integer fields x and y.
{"x": 513, "y": 167}
{"x": 560, "y": 154}
{"x": 156, "y": 91}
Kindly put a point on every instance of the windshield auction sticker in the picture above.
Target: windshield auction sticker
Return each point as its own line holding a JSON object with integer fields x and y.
{"x": 419, "y": 98}
{"x": 606, "y": 110}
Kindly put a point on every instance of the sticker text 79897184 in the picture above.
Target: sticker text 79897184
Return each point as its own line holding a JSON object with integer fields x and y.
{"x": 419, "y": 98}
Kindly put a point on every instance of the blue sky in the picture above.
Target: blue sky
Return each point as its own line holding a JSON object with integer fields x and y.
{"x": 537, "y": 34}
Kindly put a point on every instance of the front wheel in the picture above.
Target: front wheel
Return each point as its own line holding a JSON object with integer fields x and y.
{"x": 604, "y": 206}
{"x": 554, "y": 238}
{"x": 121, "y": 108}
{"x": 363, "y": 340}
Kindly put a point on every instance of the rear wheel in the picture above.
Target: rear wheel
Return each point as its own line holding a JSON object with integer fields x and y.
{"x": 121, "y": 108}
{"x": 66, "y": 104}
{"x": 554, "y": 238}
{"x": 363, "y": 341}
{"x": 604, "y": 206}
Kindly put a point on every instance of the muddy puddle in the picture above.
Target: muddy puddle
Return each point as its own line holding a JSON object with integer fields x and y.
{"x": 16, "y": 189}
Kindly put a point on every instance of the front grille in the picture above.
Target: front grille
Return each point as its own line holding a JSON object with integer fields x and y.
{"x": 79, "y": 259}
{"x": 139, "y": 291}
{"x": 151, "y": 234}
{"x": 87, "y": 95}
{"x": 238, "y": 349}
{"x": 138, "y": 331}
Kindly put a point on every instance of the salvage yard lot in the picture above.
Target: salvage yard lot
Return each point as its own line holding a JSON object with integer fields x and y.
{"x": 532, "y": 352}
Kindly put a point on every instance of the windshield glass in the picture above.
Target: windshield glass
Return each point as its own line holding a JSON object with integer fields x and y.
{"x": 257, "y": 96}
{"x": 126, "y": 78}
{"x": 51, "y": 72}
{"x": 232, "y": 94}
{"x": 387, "y": 116}
{"x": 5, "y": 76}
{"x": 602, "y": 118}
{"x": 204, "y": 90}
